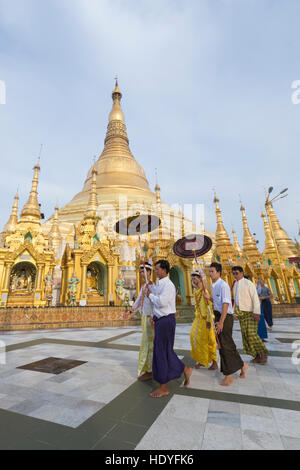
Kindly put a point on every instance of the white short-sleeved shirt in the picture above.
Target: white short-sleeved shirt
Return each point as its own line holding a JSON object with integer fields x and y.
{"x": 221, "y": 295}
{"x": 164, "y": 298}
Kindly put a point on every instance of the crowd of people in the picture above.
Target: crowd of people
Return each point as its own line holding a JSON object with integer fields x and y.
{"x": 212, "y": 327}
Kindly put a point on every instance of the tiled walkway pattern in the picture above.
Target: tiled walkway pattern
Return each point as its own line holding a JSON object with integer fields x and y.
{"x": 99, "y": 404}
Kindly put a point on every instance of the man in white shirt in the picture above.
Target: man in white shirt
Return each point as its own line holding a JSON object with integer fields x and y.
{"x": 166, "y": 365}
{"x": 144, "y": 306}
{"x": 247, "y": 307}
{"x": 231, "y": 361}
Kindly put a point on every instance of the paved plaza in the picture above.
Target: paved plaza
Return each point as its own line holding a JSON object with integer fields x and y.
{"x": 97, "y": 403}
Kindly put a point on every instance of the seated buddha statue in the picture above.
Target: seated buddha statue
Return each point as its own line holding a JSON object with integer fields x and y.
{"x": 91, "y": 282}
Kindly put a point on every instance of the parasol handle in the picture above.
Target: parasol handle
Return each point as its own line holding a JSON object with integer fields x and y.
{"x": 143, "y": 261}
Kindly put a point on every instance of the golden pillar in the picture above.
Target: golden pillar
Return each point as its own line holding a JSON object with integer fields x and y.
{"x": 8, "y": 267}
{"x": 5, "y": 283}
{"x": 38, "y": 288}
{"x": 83, "y": 282}
{"x": 110, "y": 284}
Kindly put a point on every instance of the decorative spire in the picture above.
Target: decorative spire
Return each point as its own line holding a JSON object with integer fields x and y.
{"x": 93, "y": 201}
{"x": 158, "y": 207}
{"x": 157, "y": 192}
{"x": 224, "y": 248}
{"x": 116, "y": 122}
{"x": 13, "y": 219}
{"x": 116, "y": 94}
{"x": 269, "y": 250}
{"x": 116, "y": 166}
{"x": 284, "y": 244}
{"x": 54, "y": 233}
{"x": 182, "y": 225}
{"x": 249, "y": 245}
{"x": 31, "y": 211}
{"x": 237, "y": 247}
{"x": 55, "y": 236}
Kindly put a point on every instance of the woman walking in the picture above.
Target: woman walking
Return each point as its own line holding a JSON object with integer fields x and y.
{"x": 203, "y": 339}
{"x": 265, "y": 296}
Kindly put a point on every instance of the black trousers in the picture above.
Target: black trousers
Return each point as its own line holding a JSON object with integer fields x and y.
{"x": 267, "y": 311}
{"x": 231, "y": 361}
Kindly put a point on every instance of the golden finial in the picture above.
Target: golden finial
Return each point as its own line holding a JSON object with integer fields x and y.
{"x": 116, "y": 94}
{"x": 216, "y": 199}
{"x": 242, "y": 208}
{"x": 157, "y": 187}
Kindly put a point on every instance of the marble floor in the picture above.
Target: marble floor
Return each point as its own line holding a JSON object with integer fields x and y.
{"x": 99, "y": 404}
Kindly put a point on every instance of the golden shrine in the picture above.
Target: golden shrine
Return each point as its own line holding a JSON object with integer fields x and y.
{"x": 76, "y": 258}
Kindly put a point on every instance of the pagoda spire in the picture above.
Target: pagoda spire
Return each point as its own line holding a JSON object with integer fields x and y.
{"x": 284, "y": 244}
{"x": 182, "y": 225}
{"x": 224, "y": 248}
{"x": 31, "y": 211}
{"x": 55, "y": 236}
{"x": 237, "y": 247}
{"x": 116, "y": 128}
{"x": 116, "y": 166}
{"x": 249, "y": 245}
{"x": 54, "y": 231}
{"x": 269, "y": 250}
{"x": 93, "y": 200}
{"x": 13, "y": 219}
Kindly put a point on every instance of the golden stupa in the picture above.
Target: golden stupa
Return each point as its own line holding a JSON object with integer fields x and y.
{"x": 121, "y": 184}
{"x": 77, "y": 258}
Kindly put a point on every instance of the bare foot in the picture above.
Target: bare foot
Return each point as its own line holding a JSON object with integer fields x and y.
{"x": 244, "y": 369}
{"x": 145, "y": 376}
{"x": 198, "y": 365}
{"x": 187, "y": 372}
{"x": 214, "y": 366}
{"x": 159, "y": 392}
{"x": 256, "y": 359}
{"x": 227, "y": 381}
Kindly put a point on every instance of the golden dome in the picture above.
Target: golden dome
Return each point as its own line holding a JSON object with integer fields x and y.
{"x": 118, "y": 173}
{"x": 117, "y": 179}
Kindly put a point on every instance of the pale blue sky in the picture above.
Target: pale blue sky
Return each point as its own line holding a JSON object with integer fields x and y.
{"x": 206, "y": 95}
